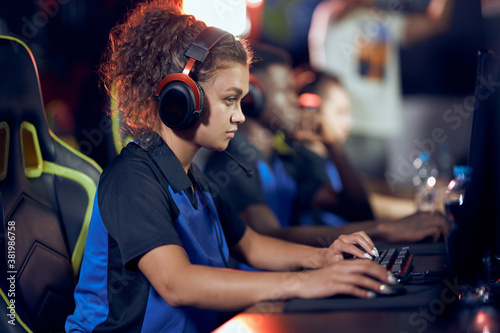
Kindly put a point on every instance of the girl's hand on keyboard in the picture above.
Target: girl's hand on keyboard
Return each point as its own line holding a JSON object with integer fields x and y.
{"x": 360, "y": 278}
{"x": 348, "y": 244}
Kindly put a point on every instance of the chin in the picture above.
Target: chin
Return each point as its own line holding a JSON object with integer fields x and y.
{"x": 219, "y": 147}
{"x": 222, "y": 148}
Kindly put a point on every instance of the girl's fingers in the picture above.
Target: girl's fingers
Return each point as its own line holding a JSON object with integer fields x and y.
{"x": 368, "y": 268}
{"x": 364, "y": 279}
{"x": 361, "y": 239}
{"x": 351, "y": 249}
{"x": 367, "y": 238}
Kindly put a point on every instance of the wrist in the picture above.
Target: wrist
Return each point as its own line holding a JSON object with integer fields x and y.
{"x": 291, "y": 285}
{"x": 380, "y": 230}
{"x": 335, "y": 150}
{"x": 333, "y": 145}
{"x": 316, "y": 258}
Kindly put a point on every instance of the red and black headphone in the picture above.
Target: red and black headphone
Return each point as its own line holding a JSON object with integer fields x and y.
{"x": 180, "y": 98}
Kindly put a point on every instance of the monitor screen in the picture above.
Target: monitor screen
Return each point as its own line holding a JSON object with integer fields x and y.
{"x": 478, "y": 234}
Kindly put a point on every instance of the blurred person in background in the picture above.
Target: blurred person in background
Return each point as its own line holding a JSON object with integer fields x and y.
{"x": 359, "y": 41}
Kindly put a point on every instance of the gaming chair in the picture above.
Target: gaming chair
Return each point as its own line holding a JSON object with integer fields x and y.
{"x": 47, "y": 190}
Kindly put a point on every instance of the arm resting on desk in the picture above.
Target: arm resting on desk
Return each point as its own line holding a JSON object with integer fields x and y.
{"x": 412, "y": 228}
{"x": 181, "y": 283}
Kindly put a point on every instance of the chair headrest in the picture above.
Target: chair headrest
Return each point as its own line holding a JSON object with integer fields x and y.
{"x": 21, "y": 98}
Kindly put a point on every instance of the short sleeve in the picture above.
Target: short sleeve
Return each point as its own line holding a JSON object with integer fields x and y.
{"x": 135, "y": 209}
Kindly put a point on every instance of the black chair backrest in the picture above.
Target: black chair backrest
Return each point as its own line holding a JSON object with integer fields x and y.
{"x": 47, "y": 191}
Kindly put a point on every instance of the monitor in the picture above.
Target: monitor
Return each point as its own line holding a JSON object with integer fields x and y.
{"x": 478, "y": 234}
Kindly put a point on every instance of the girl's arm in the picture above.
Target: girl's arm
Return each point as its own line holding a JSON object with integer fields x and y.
{"x": 182, "y": 284}
{"x": 269, "y": 253}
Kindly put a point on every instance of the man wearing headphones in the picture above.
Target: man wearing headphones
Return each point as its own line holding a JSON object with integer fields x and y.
{"x": 156, "y": 253}
{"x": 287, "y": 177}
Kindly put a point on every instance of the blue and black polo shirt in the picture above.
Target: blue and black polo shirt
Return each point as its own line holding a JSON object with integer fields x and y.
{"x": 144, "y": 200}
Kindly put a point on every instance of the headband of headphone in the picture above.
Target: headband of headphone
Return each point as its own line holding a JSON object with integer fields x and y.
{"x": 180, "y": 98}
{"x": 254, "y": 101}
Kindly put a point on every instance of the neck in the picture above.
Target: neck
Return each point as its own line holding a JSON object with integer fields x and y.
{"x": 184, "y": 150}
{"x": 260, "y": 136}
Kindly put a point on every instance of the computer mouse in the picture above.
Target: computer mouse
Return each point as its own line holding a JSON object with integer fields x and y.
{"x": 394, "y": 289}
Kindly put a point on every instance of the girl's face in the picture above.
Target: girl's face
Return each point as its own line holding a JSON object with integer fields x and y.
{"x": 222, "y": 111}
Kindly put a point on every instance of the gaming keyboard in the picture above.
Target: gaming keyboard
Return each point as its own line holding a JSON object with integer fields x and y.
{"x": 396, "y": 260}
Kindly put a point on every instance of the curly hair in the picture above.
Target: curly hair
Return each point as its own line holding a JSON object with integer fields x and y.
{"x": 150, "y": 45}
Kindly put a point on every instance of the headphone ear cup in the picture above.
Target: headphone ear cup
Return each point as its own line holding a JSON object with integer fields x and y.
{"x": 253, "y": 102}
{"x": 177, "y": 104}
{"x": 180, "y": 98}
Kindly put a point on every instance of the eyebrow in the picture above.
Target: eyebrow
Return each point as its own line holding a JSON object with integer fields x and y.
{"x": 235, "y": 89}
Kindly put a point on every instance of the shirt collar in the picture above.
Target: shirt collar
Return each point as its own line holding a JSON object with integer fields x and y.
{"x": 169, "y": 165}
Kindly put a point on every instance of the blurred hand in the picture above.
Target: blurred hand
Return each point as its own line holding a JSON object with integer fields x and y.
{"x": 415, "y": 227}
{"x": 333, "y": 128}
{"x": 319, "y": 127}
{"x": 308, "y": 127}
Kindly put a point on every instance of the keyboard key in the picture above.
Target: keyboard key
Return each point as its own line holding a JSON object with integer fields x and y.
{"x": 396, "y": 260}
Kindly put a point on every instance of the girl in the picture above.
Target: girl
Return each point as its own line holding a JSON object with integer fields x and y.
{"x": 158, "y": 242}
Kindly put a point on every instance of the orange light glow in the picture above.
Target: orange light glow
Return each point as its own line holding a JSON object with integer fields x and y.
{"x": 308, "y": 100}
{"x": 237, "y": 324}
{"x": 229, "y": 15}
{"x": 482, "y": 322}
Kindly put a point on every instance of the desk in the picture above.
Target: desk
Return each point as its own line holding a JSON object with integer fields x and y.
{"x": 441, "y": 314}
{"x": 469, "y": 319}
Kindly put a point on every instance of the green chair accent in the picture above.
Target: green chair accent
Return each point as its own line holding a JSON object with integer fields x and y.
{"x": 47, "y": 190}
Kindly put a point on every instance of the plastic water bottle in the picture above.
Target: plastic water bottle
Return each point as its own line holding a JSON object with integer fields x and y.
{"x": 453, "y": 203}
{"x": 424, "y": 181}
{"x": 455, "y": 193}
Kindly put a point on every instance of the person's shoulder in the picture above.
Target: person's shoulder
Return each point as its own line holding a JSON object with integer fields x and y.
{"x": 306, "y": 154}
{"x": 132, "y": 160}
{"x": 301, "y": 148}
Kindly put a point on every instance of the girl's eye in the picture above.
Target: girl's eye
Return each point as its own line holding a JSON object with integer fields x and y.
{"x": 230, "y": 100}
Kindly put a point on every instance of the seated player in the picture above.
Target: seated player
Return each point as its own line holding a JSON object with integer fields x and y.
{"x": 159, "y": 238}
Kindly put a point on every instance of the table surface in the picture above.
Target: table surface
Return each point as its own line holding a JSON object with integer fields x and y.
{"x": 427, "y": 319}
{"x": 442, "y": 314}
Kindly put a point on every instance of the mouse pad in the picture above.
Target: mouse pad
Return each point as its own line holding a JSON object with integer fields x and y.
{"x": 414, "y": 297}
